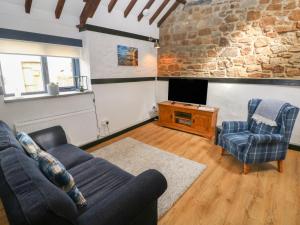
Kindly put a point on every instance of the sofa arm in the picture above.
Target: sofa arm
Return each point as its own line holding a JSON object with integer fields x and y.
{"x": 234, "y": 126}
{"x": 126, "y": 203}
{"x": 266, "y": 138}
{"x": 49, "y": 138}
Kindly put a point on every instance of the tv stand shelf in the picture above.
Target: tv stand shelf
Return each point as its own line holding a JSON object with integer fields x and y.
{"x": 189, "y": 118}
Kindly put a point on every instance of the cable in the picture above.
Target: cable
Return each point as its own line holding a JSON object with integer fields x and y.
{"x": 107, "y": 125}
{"x": 96, "y": 115}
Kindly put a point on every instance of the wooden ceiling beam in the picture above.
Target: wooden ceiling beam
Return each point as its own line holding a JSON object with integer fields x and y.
{"x": 129, "y": 7}
{"x": 92, "y": 12}
{"x": 94, "y": 8}
{"x": 28, "y": 4}
{"x": 88, "y": 11}
{"x": 158, "y": 11}
{"x": 59, "y": 8}
{"x": 84, "y": 14}
{"x": 147, "y": 6}
{"x": 111, "y": 5}
{"x": 173, "y": 7}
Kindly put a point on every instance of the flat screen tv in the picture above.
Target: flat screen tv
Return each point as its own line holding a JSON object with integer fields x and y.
{"x": 188, "y": 90}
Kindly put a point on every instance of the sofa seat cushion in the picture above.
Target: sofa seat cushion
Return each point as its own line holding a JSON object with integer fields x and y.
{"x": 7, "y": 138}
{"x": 236, "y": 142}
{"x": 98, "y": 178}
{"x": 69, "y": 155}
{"x": 39, "y": 201}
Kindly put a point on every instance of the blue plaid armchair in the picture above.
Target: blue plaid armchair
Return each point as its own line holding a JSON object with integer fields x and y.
{"x": 251, "y": 142}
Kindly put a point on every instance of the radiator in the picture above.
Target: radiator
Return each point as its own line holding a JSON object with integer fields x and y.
{"x": 80, "y": 126}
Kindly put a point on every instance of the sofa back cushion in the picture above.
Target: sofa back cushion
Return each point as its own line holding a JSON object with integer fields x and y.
{"x": 7, "y": 138}
{"x": 28, "y": 197}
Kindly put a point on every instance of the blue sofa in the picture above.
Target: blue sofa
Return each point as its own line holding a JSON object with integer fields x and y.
{"x": 114, "y": 196}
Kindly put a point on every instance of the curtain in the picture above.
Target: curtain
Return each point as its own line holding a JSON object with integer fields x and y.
{"x": 37, "y": 48}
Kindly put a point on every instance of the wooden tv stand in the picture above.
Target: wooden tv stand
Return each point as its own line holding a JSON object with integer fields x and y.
{"x": 189, "y": 118}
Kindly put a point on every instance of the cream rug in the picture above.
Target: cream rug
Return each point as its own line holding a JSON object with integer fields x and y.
{"x": 136, "y": 157}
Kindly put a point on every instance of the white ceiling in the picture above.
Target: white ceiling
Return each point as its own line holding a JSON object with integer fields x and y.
{"x": 74, "y": 7}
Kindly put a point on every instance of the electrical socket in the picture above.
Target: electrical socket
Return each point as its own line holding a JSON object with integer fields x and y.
{"x": 104, "y": 122}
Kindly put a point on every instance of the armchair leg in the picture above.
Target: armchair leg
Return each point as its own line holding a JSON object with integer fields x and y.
{"x": 223, "y": 151}
{"x": 280, "y": 166}
{"x": 246, "y": 168}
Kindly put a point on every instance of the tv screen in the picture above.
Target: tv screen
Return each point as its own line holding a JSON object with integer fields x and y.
{"x": 188, "y": 90}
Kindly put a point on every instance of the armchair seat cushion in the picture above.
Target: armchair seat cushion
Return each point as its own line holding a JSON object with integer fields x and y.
{"x": 234, "y": 126}
{"x": 98, "y": 178}
{"x": 236, "y": 143}
{"x": 69, "y": 155}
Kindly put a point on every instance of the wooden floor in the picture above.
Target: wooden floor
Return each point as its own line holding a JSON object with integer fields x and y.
{"x": 222, "y": 195}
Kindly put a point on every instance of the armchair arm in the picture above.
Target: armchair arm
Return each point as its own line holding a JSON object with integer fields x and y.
{"x": 128, "y": 202}
{"x": 266, "y": 138}
{"x": 234, "y": 126}
{"x": 264, "y": 148}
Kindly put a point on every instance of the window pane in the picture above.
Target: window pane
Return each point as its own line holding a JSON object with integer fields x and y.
{"x": 61, "y": 71}
{"x": 21, "y": 73}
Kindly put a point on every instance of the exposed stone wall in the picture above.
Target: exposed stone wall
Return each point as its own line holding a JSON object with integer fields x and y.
{"x": 232, "y": 38}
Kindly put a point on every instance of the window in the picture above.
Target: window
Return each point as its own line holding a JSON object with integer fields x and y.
{"x": 61, "y": 71}
{"x": 21, "y": 74}
{"x": 32, "y": 76}
{"x": 25, "y": 74}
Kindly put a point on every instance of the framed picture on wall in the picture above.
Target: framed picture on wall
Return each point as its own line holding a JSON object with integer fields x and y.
{"x": 127, "y": 56}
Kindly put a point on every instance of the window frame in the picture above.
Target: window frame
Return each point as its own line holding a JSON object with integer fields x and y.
{"x": 45, "y": 75}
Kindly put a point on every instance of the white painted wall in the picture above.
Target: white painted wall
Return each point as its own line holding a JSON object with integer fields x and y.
{"x": 123, "y": 104}
{"x": 232, "y": 99}
{"x": 162, "y": 88}
{"x": 104, "y": 60}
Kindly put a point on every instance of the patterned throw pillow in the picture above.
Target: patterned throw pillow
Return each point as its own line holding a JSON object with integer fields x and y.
{"x": 29, "y": 145}
{"x": 58, "y": 175}
{"x": 52, "y": 169}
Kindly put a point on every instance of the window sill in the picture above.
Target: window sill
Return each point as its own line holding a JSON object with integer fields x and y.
{"x": 43, "y": 96}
